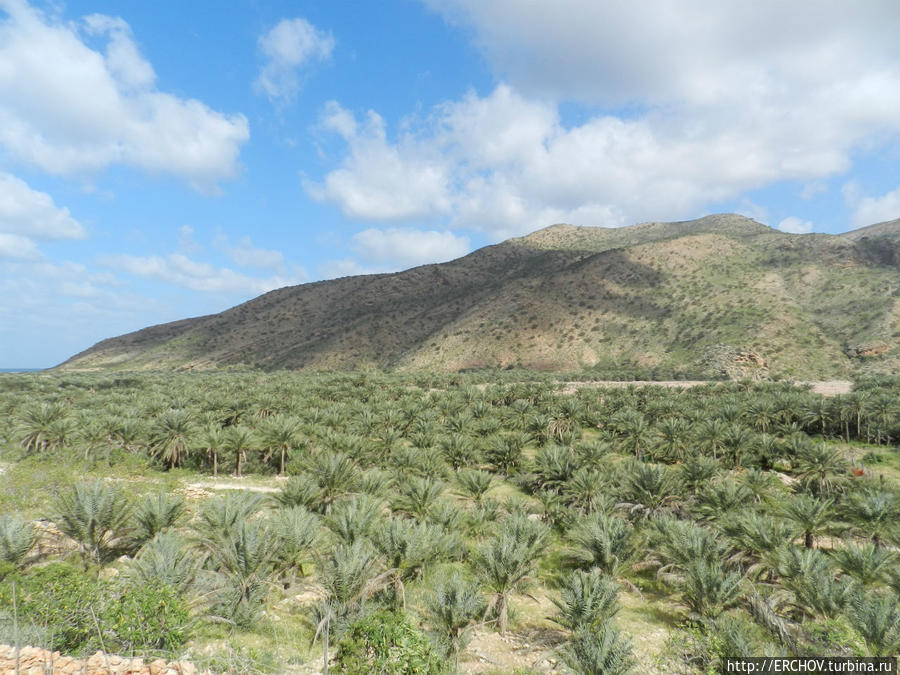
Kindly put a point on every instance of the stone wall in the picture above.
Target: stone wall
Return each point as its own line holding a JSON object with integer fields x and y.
{"x": 34, "y": 661}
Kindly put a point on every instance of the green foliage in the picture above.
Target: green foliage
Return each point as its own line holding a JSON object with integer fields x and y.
{"x": 587, "y": 600}
{"x": 386, "y": 643}
{"x": 146, "y": 617}
{"x": 604, "y": 651}
{"x": 16, "y": 539}
{"x": 453, "y": 606}
{"x": 62, "y": 600}
{"x": 97, "y": 516}
{"x": 156, "y": 513}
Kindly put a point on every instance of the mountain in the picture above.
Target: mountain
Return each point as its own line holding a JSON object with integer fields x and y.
{"x": 719, "y": 295}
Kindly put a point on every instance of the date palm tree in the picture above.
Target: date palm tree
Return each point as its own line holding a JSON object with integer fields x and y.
{"x": 869, "y": 565}
{"x": 239, "y": 439}
{"x": 474, "y": 483}
{"x": 452, "y": 606}
{"x": 17, "y": 538}
{"x": 280, "y": 434}
{"x": 171, "y": 436}
{"x": 297, "y": 531}
{"x": 587, "y": 600}
{"x": 601, "y": 652}
{"x": 877, "y": 618}
{"x": 810, "y": 515}
{"x": 822, "y": 470}
{"x": 873, "y": 512}
{"x": 605, "y": 542}
{"x": 96, "y": 516}
{"x": 504, "y": 564}
{"x": 707, "y": 589}
{"x": 156, "y": 513}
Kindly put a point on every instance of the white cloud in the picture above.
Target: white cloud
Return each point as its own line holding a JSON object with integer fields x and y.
{"x": 794, "y": 225}
{"x": 702, "y": 101}
{"x": 247, "y": 255}
{"x": 113, "y": 112}
{"x": 178, "y": 269}
{"x": 379, "y": 180}
{"x": 14, "y": 246}
{"x": 697, "y": 51}
{"x": 287, "y": 47}
{"x": 505, "y": 164}
{"x": 871, "y": 210}
{"x": 408, "y": 248}
{"x": 27, "y": 212}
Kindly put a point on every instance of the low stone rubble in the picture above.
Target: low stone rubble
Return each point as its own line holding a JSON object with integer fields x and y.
{"x": 35, "y": 661}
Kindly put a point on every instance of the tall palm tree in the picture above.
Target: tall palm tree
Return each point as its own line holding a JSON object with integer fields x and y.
{"x": 239, "y": 439}
{"x": 280, "y": 434}
{"x": 211, "y": 439}
{"x": 171, "y": 436}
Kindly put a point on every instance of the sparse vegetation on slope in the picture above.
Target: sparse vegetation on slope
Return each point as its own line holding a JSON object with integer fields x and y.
{"x": 721, "y": 296}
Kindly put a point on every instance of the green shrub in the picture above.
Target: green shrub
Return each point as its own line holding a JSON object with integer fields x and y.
{"x": 386, "y": 643}
{"x": 59, "y": 598}
{"x": 147, "y": 617}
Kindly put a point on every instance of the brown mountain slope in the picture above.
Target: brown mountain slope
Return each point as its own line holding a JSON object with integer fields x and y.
{"x": 722, "y": 292}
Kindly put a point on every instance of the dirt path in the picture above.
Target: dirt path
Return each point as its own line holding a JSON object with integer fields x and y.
{"x": 824, "y": 388}
{"x": 231, "y": 484}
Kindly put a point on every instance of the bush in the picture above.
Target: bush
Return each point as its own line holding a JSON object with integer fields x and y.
{"x": 59, "y": 598}
{"x": 147, "y": 617}
{"x": 386, "y": 643}
{"x": 69, "y": 610}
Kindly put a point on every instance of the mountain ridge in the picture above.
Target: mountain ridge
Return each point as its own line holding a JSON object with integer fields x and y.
{"x": 682, "y": 297}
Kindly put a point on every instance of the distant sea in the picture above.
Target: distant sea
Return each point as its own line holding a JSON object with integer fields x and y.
{"x": 20, "y": 370}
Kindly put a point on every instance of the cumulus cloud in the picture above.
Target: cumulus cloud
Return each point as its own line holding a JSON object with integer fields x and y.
{"x": 871, "y": 210}
{"x": 114, "y": 112}
{"x": 506, "y": 164}
{"x": 180, "y": 270}
{"x": 794, "y": 225}
{"x": 246, "y": 254}
{"x": 290, "y": 45}
{"x": 382, "y": 180}
{"x": 684, "y": 107}
{"x": 14, "y": 246}
{"x": 30, "y": 213}
{"x": 695, "y": 51}
{"x": 407, "y": 248}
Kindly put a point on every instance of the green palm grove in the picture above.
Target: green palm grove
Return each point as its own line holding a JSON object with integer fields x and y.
{"x": 386, "y": 519}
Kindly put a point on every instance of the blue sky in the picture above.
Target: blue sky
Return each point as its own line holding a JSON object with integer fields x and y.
{"x": 165, "y": 160}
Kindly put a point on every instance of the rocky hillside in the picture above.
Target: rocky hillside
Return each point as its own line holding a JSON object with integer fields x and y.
{"x": 719, "y": 295}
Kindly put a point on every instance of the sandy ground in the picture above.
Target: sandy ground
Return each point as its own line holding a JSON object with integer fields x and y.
{"x": 825, "y": 388}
